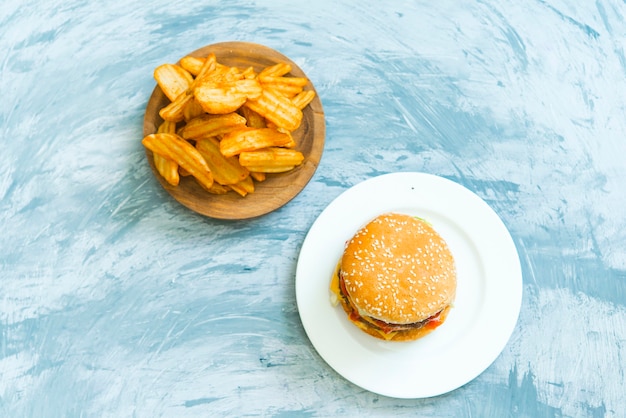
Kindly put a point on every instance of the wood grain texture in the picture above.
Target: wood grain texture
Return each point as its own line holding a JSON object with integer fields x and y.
{"x": 278, "y": 189}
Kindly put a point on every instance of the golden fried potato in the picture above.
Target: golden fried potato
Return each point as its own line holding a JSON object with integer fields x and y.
{"x": 250, "y": 139}
{"x": 222, "y": 89}
{"x": 271, "y": 169}
{"x": 208, "y": 66}
{"x": 175, "y": 111}
{"x": 277, "y": 109}
{"x": 292, "y": 142}
{"x": 271, "y": 157}
{"x": 302, "y": 99}
{"x": 167, "y": 127}
{"x": 258, "y": 176}
{"x": 175, "y": 148}
{"x": 226, "y": 170}
{"x": 218, "y": 189}
{"x": 243, "y": 187}
{"x": 286, "y": 90}
{"x": 287, "y": 86}
{"x": 192, "y": 64}
{"x": 192, "y": 110}
{"x": 207, "y": 125}
{"x": 172, "y": 79}
{"x": 276, "y": 70}
{"x": 249, "y": 73}
{"x": 238, "y": 123}
{"x": 220, "y": 97}
{"x": 273, "y": 78}
{"x": 253, "y": 119}
{"x": 167, "y": 168}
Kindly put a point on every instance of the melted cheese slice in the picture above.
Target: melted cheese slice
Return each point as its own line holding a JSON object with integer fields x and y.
{"x": 336, "y": 296}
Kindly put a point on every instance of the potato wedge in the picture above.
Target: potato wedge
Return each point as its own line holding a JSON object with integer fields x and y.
{"x": 269, "y": 169}
{"x": 167, "y": 168}
{"x": 207, "y": 125}
{"x": 250, "y": 139}
{"x": 271, "y": 157}
{"x": 208, "y": 67}
{"x": 277, "y": 109}
{"x": 225, "y": 170}
{"x": 172, "y": 79}
{"x": 253, "y": 119}
{"x": 193, "y": 109}
{"x": 183, "y": 153}
{"x": 227, "y": 126}
{"x": 287, "y": 81}
{"x": 243, "y": 187}
{"x": 175, "y": 111}
{"x": 218, "y": 189}
{"x": 220, "y": 97}
{"x": 258, "y": 176}
{"x": 192, "y": 64}
{"x": 276, "y": 70}
{"x": 285, "y": 90}
{"x": 302, "y": 99}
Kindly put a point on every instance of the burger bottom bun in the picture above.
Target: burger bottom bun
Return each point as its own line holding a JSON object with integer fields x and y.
{"x": 407, "y": 335}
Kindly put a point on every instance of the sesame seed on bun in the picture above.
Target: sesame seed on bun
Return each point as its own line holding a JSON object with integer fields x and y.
{"x": 396, "y": 279}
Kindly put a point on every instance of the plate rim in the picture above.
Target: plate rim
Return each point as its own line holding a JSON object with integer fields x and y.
{"x": 508, "y": 321}
{"x": 251, "y": 206}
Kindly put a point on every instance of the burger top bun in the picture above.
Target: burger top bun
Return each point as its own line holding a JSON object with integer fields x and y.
{"x": 398, "y": 269}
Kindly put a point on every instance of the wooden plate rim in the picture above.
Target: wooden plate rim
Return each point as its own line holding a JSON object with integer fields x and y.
{"x": 278, "y": 189}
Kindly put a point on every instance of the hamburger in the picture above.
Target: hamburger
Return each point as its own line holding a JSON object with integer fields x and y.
{"x": 396, "y": 279}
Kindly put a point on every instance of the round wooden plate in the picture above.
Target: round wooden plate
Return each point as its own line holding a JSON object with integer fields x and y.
{"x": 277, "y": 189}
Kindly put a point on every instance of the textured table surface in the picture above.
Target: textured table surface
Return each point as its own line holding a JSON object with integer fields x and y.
{"x": 116, "y": 301}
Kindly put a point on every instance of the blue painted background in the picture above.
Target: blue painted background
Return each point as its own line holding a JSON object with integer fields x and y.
{"x": 116, "y": 301}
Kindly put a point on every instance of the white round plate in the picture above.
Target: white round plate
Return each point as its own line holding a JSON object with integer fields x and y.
{"x": 487, "y": 305}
